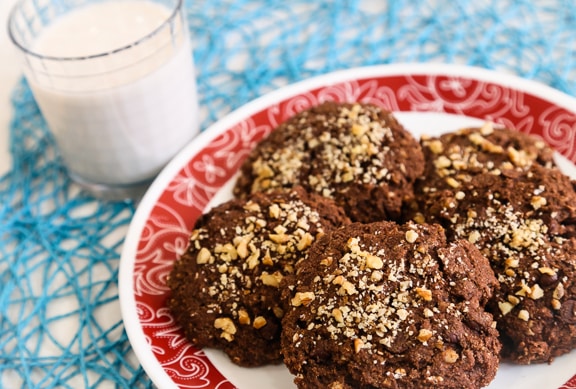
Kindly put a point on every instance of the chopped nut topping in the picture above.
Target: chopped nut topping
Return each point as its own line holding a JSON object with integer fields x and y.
{"x": 347, "y": 288}
{"x": 337, "y": 314}
{"x": 450, "y": 356}
{"x": 538, "y": 202}
{"x": 547, "y": 270}
{"x": 411, "y": 236}
{"x": 474, "y": 236}
{"x": 227, "y": 326}
{"x": 524, "y": 315}
{"x": 327, "y": 261}
{"x": 267, "y": 259}
{"x": 228, "y": 336}
{"x": 424, "y": 335}
{"x": 510, "y": 272}
{"x": 399, "y": 373}
{"x": 536, "y": 292}
{"x": 425, "y": 294}
{"x": 487, "y": 128}
{"x": 435, "y": 379}
{"x": 302, "y": 298}
{"x": 278, "y": 312}
{"x": 242, "y": 245}
{"x": 505, "y": 307}
{"x": 279, "y": 238}
{"x": 358, "y": 344}
{"x": 402, "y": 313}
{"x": 374, "y": 262}
{"x": 203, "y": 256}
{"x": 274, "y": 211}
{"x": 358, "y": 129}
{"x": 252, "y": 206}
{"x": 419, "y": 218}
{"x": 271, "y": 279}
{"x": 452, "y": 182}
{"x": 259, "y": 322}
{"x": 253, "y": 260}
{"x": 442, "y": 162}
{"x": 485, "y": 144}
{"x": 243, "y": 317}
{"x": 518, "y": 158}
{"x": 305, "y": 241}
{"x": 524, "y": 290}
{"x": 435, "y": 146}
{"x": 558, "y": 291}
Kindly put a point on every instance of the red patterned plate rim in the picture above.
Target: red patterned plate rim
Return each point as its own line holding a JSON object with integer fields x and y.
{"x": 160, "y": 227}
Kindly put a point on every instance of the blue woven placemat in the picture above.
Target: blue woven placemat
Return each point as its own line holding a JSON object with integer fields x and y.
{"x": 60, "y": 323}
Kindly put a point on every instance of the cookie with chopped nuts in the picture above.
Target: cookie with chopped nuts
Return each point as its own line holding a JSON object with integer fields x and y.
{"x": 456, "y": 157}
{"x": 383, "y": 305}
{"x": 225, "y": 288}
{"x": 357, "y": 154}
{"x": 524, "y": 222}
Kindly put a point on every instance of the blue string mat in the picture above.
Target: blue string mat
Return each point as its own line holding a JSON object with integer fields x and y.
{"x": 60, "y": 323}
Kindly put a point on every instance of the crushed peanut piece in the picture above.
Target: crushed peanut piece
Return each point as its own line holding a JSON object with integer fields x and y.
{"x": 243, "y": 317}
{"x": 450, "y": 356}
{"x": 203, "y": 256}
{"x": 505, "y": 307}
{"x": 524, "y": 315}
{"x": 327, "y": 261}
{"x": 536, "y": 292}
{"x": 411, "y": 236}
{"x": 374, "y": 262}
{"x": 337, "y": 314}
{"x": 424, "y": 335}
{"x": 227, "y": 326}
{"x": 358, "y": 344}
{"x": 547, "y": 270}
{"x": 538, "y": 202}
{"x": 259, "y": 322}
{"x": 424, "y": 293}
{"x": 303, "y": 298}
{"x": 305, "y": 242}
{"x": 271, "y": 279}
{"x": 435, "y": 146}
{"x": 558, "y": 291}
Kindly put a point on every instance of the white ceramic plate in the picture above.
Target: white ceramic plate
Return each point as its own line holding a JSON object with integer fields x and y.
{"x": 427, "y": 99}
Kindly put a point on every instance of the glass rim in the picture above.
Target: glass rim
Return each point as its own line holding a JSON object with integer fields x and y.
{"x": 11, "y": 22}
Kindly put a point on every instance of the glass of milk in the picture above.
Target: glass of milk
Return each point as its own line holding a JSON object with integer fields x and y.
{"x": 115, "y": 82}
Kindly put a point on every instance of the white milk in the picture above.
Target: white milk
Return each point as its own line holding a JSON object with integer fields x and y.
{"x": 118, "y": 118}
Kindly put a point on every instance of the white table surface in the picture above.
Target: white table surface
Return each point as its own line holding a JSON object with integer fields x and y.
{"x": 10, "y": 72}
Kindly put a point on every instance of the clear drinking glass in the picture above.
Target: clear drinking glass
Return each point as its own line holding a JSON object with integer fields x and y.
{"x": 118, "y": 96}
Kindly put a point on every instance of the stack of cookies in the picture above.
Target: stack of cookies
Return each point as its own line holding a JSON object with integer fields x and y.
{"x": 361, "y": 257}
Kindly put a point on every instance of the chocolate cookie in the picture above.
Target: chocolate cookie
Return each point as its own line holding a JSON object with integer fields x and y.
{"x": 225, "y": 288}
{"x": 456, "y": 157}
{"x": 524, "y": 223}
{"x": 357, "y": 154}
{"x": 383, "y": 305}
